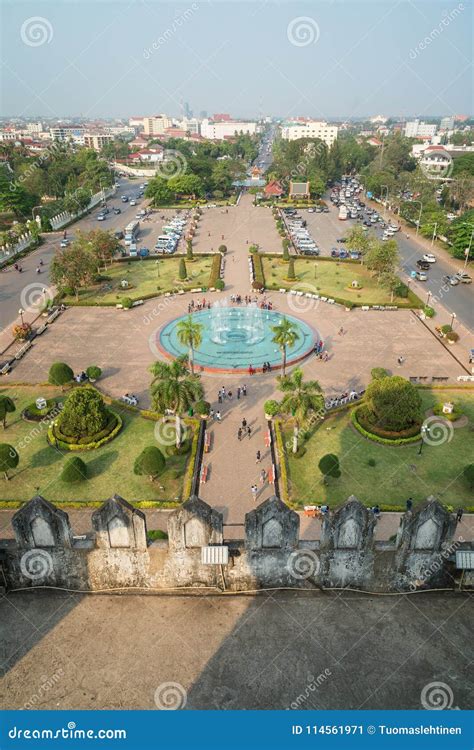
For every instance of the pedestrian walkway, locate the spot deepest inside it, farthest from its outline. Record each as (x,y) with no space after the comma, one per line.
(232,462)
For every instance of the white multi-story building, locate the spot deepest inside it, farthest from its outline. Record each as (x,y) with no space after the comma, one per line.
(190,125)
(120,130)
(310,129)
(157,124)
(447,123)
(9,135)
(218,130)
(420,129)
(67,133)
(34,127)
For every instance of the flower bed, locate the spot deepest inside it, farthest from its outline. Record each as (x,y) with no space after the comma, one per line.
(57,439)
(372,432)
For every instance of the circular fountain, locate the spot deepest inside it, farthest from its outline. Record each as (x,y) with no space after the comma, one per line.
(235,338)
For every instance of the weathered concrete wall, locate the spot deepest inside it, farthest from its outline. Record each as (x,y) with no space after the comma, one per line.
(115,553)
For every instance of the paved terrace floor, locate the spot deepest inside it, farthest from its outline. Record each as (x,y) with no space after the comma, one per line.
(264,652)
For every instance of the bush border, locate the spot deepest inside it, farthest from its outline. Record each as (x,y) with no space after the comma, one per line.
(377,439)
(56,443)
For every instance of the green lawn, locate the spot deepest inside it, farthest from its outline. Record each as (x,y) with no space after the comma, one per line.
(329,278)
(110,467)
(398,472)
(145,278)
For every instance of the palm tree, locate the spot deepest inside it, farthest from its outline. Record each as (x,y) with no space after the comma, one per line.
(174,388)
(285,335)
(301,400)
(190,335)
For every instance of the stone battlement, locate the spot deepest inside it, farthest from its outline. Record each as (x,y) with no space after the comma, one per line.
(116,554)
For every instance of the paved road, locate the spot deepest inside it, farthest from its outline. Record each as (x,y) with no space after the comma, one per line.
(12,283)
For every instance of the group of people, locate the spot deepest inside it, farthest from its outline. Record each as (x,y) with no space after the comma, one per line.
(244,430)
(224,395)
(199,305)
(266,367)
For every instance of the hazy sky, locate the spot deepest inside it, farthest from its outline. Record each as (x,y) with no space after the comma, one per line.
(320,59)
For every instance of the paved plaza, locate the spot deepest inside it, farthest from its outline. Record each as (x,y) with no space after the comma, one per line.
(235,652)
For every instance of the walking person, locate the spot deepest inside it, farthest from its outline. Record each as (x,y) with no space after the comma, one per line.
(258,457)
(249,431)
(244,390)
(239,433)
(211,413)
(409,504)
(244,423)
(254,489)
(218,416)
(263,476)
(459,514)
(238,394)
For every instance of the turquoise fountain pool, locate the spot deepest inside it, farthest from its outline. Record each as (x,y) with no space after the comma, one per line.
(235,338)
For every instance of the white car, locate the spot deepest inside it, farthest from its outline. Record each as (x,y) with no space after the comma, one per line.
(429,257)
(394,228)
(311,210)
(133,202)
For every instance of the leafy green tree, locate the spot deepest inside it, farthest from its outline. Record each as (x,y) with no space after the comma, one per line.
(9,458)
(390,282)
(7,406)
(103,245)
(74,267)
(302,400)
(159,191)
(189,334)
(60,374)
(84,414)
(329,466)
(285,336)
(382,257)
(151,462)
(77,201)
(394,402)
(186,184)
(460,234)
(174,388)
(75,470)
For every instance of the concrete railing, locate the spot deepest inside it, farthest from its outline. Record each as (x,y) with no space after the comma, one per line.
(66,217)
(9,251)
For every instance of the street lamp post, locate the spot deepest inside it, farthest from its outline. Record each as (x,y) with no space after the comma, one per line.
(428,298)
(21,312)
(434,233)
(453,318)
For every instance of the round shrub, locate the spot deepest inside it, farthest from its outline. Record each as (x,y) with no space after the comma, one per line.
(202,407)
(126,303)
(9,458)
(446,329)
(329,466)
(219,285)
(84,414)
(393,403)
(93,372)
(60,374)
(455,414)
(222,249)
(371,462)
(75,470)
(429,311)
(452,336)
(151,462)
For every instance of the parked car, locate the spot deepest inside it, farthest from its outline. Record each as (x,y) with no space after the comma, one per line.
(64,242)
(133,202)
(101,217)
(429,257)
(117,211)
(451,280)
(421,276)
(463,277)
(124,199)
(119,235)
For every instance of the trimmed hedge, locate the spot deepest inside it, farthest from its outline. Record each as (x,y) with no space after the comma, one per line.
(65,443)
(384,440)
(258,268)
(215,270)
(282,458)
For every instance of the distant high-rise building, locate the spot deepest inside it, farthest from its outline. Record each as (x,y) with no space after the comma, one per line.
(447,123)
(203,114)
(420,129)
(156,125)
(187,111)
